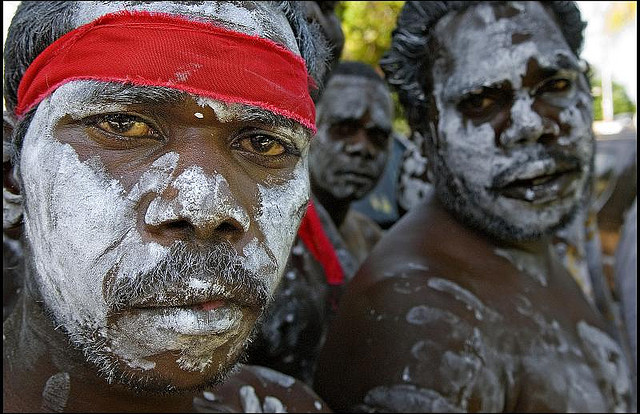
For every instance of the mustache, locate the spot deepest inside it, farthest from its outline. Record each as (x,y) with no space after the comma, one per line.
(561,162)
(168,282)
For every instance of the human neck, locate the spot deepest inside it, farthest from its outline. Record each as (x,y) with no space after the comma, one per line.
(36,354)
(337,208)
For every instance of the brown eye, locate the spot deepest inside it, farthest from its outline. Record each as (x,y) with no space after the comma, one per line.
(128,126)
(263,145)
(555,86)
(477,103)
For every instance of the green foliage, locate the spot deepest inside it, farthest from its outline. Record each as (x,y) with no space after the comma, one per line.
(367,27)
(621,101)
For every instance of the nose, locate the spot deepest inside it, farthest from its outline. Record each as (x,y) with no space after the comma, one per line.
(359,144)
(526,125)
(196,206)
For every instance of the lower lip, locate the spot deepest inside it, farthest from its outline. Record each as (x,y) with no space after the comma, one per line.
(549,191)
(206,319)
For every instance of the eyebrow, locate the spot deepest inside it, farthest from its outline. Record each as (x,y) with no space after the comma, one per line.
(333,118)
(453,94)
(562,61)
(124,94)
(246,113)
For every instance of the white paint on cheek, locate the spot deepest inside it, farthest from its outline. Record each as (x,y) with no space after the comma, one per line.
(88,216)
(255,258)
(462,153)
(198,115)
(279,214)
(73,216)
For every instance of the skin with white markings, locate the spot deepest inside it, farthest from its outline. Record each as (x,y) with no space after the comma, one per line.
(158,226)
(464,306)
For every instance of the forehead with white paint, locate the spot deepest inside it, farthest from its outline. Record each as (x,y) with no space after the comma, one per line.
(254,18)
(349,97)
(485,45)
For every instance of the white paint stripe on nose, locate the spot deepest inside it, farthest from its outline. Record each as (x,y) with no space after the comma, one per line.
(201,200)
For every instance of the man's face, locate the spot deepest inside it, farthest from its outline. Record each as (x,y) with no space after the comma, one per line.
(513,145)
(159,224)
(350,150)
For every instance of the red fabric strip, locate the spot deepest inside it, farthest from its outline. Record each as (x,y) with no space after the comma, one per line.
(153,49)
(314,237)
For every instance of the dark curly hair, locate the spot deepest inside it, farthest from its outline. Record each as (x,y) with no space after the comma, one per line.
(409,54)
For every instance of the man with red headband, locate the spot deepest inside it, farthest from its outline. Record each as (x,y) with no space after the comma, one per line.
(156,167)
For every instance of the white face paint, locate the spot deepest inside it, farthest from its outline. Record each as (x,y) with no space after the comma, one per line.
(279,219)
(83,228)
(501,162)
(91,259)
(79,222)
(350,150)
(281,207)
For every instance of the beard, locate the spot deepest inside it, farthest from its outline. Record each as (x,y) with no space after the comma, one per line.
(463,203)
(219,264)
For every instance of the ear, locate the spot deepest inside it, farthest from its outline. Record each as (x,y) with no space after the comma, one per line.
(12,209)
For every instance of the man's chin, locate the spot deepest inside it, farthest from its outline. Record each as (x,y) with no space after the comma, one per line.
(503,229)
(167,376)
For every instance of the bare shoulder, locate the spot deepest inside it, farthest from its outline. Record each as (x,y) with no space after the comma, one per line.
(410,341)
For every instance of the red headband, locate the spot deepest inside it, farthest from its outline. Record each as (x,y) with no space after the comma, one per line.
(147,49)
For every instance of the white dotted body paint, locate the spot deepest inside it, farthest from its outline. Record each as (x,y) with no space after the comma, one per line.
(408,398)
(609,364)
(423,314)
(270,375)
(527,263)
(249,399)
